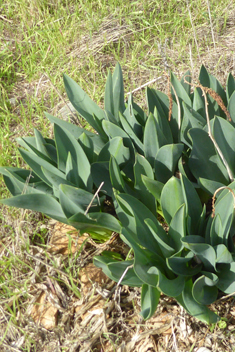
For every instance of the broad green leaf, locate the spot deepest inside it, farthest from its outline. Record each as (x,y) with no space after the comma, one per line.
(191,119)
(108,96)
(153,186)
(216,86)
(193,205)
(87,145)
(130,132)
(222,254)
(56,180)
(66,143)
(78,199)
(187,76)
(142,167)
(140,115)
(226,275)
(166,161)
(216,231)
(115,270)
(81,101)
(18,187)
(160,101)
(116,148)
(118,92)
(180,91)
(177,228)
(95,221)
(115,131)
(204,161)
(76,131)
(231,108)
(36,163)
(209,185)
(42,203)
(207,80)
(163,240)
(203,251)
(116,176)
(144,260)
(199,103)
(183,266)
(69,208)
(230,86)
(132,218)
(100,173)
(171,198)
(197,310)
(24,142)
(223,133)
(130,116)
(149,301)
(170,287)
(204,289)
(224,206)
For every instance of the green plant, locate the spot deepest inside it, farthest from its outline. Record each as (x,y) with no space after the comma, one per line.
(169,161)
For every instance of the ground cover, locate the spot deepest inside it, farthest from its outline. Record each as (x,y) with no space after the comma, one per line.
(38,42)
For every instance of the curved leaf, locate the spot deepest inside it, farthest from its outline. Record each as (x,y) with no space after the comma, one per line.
(149,301)
(205,290)
(166,161)
(171,198)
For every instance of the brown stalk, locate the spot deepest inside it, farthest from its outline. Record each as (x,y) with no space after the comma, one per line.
(213,198)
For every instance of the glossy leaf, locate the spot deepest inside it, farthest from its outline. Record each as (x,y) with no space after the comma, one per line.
(171,198)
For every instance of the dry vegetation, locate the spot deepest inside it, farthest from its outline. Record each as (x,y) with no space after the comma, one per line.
(52,298)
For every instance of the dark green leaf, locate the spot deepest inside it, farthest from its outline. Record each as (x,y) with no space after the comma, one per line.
(66,143)
(204,289)
(116,148)
(166,161)
(226,275)
(177,228)
(183,265)
(197,310)
(153,186)
(230,86)
(149,301)
(204,161)
(42,203)
(95,221)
